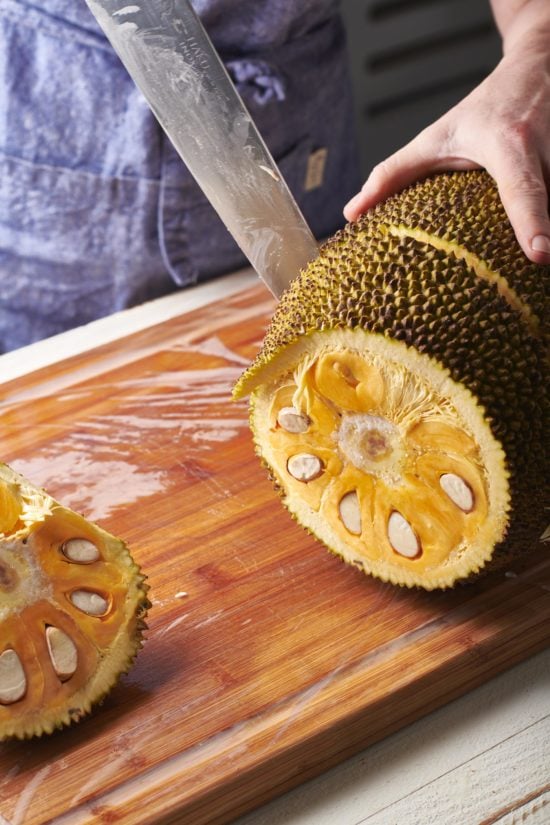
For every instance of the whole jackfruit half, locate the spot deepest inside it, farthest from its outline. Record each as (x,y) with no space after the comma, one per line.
(401,396)
(72,609)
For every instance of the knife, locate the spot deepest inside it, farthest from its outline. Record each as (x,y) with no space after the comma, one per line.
(170,57)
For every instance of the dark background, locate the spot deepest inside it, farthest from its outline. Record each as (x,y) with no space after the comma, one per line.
(411,60)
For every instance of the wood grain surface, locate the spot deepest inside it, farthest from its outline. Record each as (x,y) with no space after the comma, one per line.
(267,660)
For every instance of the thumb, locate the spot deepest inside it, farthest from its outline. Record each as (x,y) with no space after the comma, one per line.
(413,162)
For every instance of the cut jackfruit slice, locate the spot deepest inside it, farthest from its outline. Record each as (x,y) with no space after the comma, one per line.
(417,365)
(72,610)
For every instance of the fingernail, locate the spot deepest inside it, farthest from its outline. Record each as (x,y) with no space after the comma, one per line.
(541,243)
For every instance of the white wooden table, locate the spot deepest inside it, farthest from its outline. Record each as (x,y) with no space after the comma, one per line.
(482,759)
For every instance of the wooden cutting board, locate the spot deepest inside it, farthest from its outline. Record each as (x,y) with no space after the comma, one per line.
(267,660)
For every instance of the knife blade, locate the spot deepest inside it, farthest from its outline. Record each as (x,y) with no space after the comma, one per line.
(168,54)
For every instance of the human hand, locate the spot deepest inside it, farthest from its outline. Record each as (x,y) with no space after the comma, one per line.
(503,126)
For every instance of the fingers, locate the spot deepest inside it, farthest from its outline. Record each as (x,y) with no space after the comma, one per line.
(516,168)
(394,173)
(524,195)
(419,158)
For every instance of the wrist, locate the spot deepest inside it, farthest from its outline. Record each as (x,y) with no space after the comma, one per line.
(528,31)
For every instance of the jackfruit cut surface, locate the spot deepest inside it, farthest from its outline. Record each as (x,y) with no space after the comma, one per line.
(400,399)
(384,458)
(72,610)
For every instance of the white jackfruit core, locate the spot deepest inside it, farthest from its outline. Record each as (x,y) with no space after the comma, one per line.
(373,444)
(27,581)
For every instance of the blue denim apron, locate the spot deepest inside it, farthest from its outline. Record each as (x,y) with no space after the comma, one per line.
(97,211)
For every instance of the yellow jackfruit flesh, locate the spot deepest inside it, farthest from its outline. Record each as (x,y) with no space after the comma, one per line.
(401,397)
(72,610)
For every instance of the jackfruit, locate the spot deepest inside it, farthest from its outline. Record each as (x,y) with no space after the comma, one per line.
(72,610)
(401,396)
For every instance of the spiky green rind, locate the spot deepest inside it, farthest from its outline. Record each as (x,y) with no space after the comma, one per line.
(488,332)
(464,209)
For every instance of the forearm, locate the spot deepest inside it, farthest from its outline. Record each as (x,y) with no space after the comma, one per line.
(523,24)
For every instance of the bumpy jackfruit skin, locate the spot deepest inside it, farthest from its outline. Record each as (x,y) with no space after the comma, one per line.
(72,611)
(436,271)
